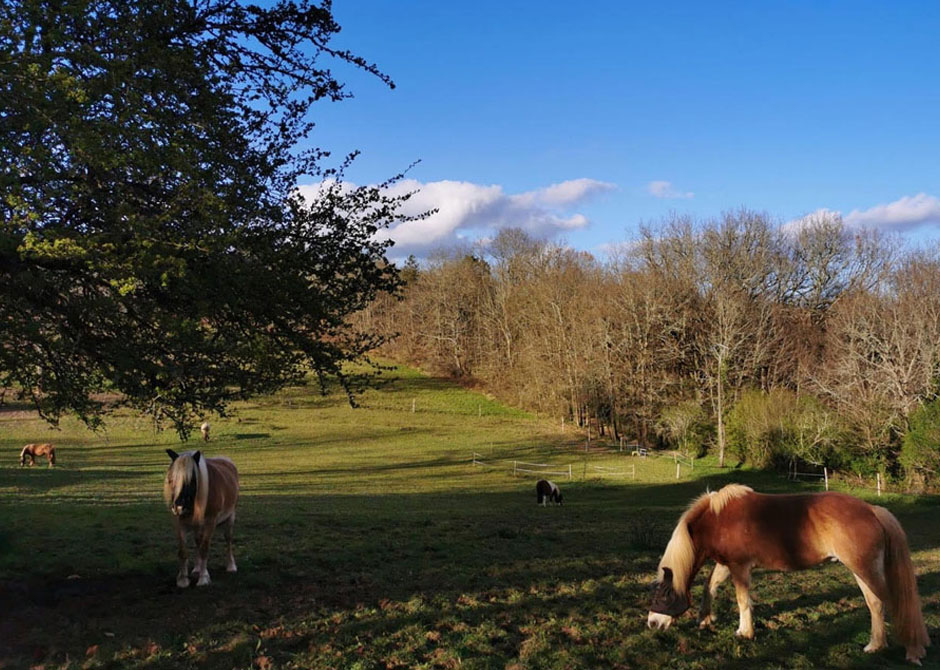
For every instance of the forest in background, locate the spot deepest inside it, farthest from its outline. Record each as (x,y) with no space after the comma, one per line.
(766,344)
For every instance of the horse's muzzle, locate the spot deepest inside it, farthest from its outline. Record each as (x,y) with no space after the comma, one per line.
(658,621)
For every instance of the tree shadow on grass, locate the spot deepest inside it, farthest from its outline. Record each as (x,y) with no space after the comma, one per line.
(490,578)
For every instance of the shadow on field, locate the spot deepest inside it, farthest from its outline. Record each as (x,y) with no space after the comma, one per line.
(61,475)
(401,580)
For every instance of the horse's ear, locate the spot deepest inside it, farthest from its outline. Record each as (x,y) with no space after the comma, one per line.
(196,457)
(667,575)
(172,454)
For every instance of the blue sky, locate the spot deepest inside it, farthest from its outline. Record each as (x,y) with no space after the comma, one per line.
(581,120)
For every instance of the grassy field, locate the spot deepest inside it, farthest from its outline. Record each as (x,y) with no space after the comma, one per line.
(367,539)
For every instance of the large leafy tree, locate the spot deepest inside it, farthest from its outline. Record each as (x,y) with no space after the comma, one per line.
(152,241)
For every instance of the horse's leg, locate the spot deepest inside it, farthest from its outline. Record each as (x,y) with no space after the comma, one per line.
(182,578)
(229,530)
(719,574)
(197,560)
(874,598)
(207,529)
(741,576)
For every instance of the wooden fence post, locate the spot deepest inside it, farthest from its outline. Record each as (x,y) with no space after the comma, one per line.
(879,484)
(677,469)
(826,475)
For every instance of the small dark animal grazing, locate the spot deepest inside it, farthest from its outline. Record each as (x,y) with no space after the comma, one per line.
(546,491)
(204,429)
(32,451)
(202,494)
(740,529)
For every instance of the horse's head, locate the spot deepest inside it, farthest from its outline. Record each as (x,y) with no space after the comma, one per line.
(666,603)
(558,497)
(182,480)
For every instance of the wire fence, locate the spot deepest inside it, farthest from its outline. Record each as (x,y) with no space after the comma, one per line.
(683,464)
(613,472)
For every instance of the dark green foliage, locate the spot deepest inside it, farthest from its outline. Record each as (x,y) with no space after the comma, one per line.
(920,450)
(152,241)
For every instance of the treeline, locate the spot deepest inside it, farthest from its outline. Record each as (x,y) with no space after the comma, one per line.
(818,344)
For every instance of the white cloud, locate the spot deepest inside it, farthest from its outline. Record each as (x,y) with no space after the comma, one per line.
(794,226)
(665,189)
(466,210)
(904,214)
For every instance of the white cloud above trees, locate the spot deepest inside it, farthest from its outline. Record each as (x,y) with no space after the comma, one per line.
(475,211)
(904,214)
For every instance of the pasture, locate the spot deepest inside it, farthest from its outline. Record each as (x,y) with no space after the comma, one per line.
(367,539)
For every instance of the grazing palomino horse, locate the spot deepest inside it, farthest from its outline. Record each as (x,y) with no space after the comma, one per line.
(546,491)
(740,529)
(201,493)
(204,429)
(31,451)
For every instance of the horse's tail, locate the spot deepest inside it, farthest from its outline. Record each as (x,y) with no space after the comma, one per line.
(23,454)
(903,600)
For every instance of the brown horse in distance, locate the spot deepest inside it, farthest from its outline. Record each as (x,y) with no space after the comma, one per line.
(201,493)
(740,529)
(33,451)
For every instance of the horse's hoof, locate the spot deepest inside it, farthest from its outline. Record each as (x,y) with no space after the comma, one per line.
(204,580)
(232,568)
(706,622)
(914,655)
(871,647)
(182,582)
(746,634)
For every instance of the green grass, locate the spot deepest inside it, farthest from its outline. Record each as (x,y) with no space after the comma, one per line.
(367,539)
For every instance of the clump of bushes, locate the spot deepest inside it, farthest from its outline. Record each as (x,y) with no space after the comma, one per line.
(920,447)
(685,427)
(776,428)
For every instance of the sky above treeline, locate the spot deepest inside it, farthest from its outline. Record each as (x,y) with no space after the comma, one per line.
(582,121)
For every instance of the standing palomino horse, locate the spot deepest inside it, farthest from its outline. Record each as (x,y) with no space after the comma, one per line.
(740,529)
(202,494)
(32,451)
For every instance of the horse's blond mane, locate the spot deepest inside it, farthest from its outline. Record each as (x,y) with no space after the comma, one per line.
(181,472)
(718,499)
(680,552)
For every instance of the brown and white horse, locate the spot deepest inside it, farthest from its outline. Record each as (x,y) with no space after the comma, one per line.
(201,493)
(32,451)
(740,529)
(546,492)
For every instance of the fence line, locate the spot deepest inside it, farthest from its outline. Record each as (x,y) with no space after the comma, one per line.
(516,468)
(476,460)
(615,471)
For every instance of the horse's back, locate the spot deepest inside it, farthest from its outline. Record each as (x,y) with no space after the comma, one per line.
(223,485)
(795,531)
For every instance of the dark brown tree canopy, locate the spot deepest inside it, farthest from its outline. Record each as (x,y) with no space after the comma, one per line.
(151,239)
